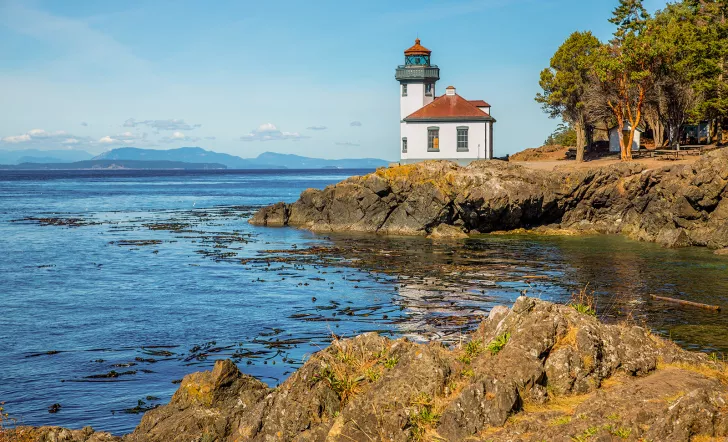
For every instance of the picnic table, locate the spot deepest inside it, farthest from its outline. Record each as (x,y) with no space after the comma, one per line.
(674,154)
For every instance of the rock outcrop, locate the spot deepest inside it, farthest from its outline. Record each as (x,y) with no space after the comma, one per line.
(537,371)
(675,206)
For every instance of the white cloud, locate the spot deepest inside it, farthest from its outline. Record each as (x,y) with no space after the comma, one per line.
(355,124)
(171,124)
(17,138)
(124,138)
(317,128)
(179,137)
(42,136)
(84,124)
(347,143)
(269,132)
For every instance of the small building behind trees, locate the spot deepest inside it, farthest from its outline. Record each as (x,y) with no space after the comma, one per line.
(615,135)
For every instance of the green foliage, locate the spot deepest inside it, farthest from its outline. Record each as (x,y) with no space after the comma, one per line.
(584,309)
(563,420)
(674,65)
(566,81)
(343,384)
(373,374)
(622,433)
(391,362)
(422,417)
(586,435)
(564,135)
(584,301)
(630,17)
(498,343)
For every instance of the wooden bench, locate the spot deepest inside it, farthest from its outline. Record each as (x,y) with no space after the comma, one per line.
(670,154)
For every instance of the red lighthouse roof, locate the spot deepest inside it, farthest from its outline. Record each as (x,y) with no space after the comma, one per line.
(449,107)
(417,49)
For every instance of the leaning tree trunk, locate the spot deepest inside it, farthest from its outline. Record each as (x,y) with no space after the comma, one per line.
(580,128)
(652,117)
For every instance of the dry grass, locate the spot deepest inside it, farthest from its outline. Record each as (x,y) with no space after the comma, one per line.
(348,367)
(715,370)
(704,438)
(561,404)
(567,340)
(611,382)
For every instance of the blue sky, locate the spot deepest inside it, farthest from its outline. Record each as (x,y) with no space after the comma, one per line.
(312,78)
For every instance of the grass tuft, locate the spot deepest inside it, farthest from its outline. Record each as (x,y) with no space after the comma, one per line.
(498,343)
(584,302)
(423,417)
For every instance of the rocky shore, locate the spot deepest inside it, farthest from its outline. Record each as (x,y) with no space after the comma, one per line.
(536,371)
(676,206)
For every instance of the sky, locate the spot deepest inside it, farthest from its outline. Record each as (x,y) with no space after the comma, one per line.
(244,77)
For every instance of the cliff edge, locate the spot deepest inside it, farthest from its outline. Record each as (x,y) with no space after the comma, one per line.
(676,206)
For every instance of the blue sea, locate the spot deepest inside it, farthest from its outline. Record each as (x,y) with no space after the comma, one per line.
(115,284)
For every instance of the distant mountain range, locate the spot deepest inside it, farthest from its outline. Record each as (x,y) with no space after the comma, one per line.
(42,156)
(114,164)
(196,155)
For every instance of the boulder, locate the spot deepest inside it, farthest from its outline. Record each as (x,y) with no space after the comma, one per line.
(447,232)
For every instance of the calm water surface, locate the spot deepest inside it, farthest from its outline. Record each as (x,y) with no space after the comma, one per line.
(161,275)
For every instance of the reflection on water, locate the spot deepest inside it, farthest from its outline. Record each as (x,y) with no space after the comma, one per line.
(163,275)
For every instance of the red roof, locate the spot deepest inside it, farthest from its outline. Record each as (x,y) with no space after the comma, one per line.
(479,103)
(417,49)
(449,107)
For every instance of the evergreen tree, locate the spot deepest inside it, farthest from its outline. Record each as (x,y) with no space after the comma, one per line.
(565,81)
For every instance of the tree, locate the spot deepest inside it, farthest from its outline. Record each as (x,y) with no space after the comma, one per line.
(711,61)
(563,136)
(625,69)
(674,38)
(565,81)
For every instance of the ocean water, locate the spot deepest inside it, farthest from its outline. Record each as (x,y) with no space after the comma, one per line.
(115,284)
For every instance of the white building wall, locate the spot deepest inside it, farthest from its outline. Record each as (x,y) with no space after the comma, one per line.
(614,136)
(414,100)
(416,134)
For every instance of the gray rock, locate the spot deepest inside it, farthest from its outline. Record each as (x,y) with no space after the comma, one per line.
(676,206)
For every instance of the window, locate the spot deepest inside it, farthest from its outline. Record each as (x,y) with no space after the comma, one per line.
(404,90)
(462,140)
(428,89)
(404,145)
(433,139)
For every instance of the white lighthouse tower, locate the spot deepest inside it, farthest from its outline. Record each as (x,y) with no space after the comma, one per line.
(447,127)
(417,78)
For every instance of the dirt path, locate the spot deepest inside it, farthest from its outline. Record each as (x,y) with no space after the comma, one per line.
(565,165)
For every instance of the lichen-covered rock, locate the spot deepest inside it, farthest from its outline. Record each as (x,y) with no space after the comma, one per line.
(55,434)
(447,232)
(676,206)
(532,372)
(207,404)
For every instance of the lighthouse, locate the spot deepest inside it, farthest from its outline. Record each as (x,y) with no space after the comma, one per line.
(447,127)
(417,78)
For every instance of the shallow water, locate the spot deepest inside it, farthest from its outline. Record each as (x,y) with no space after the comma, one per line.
(162,275)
